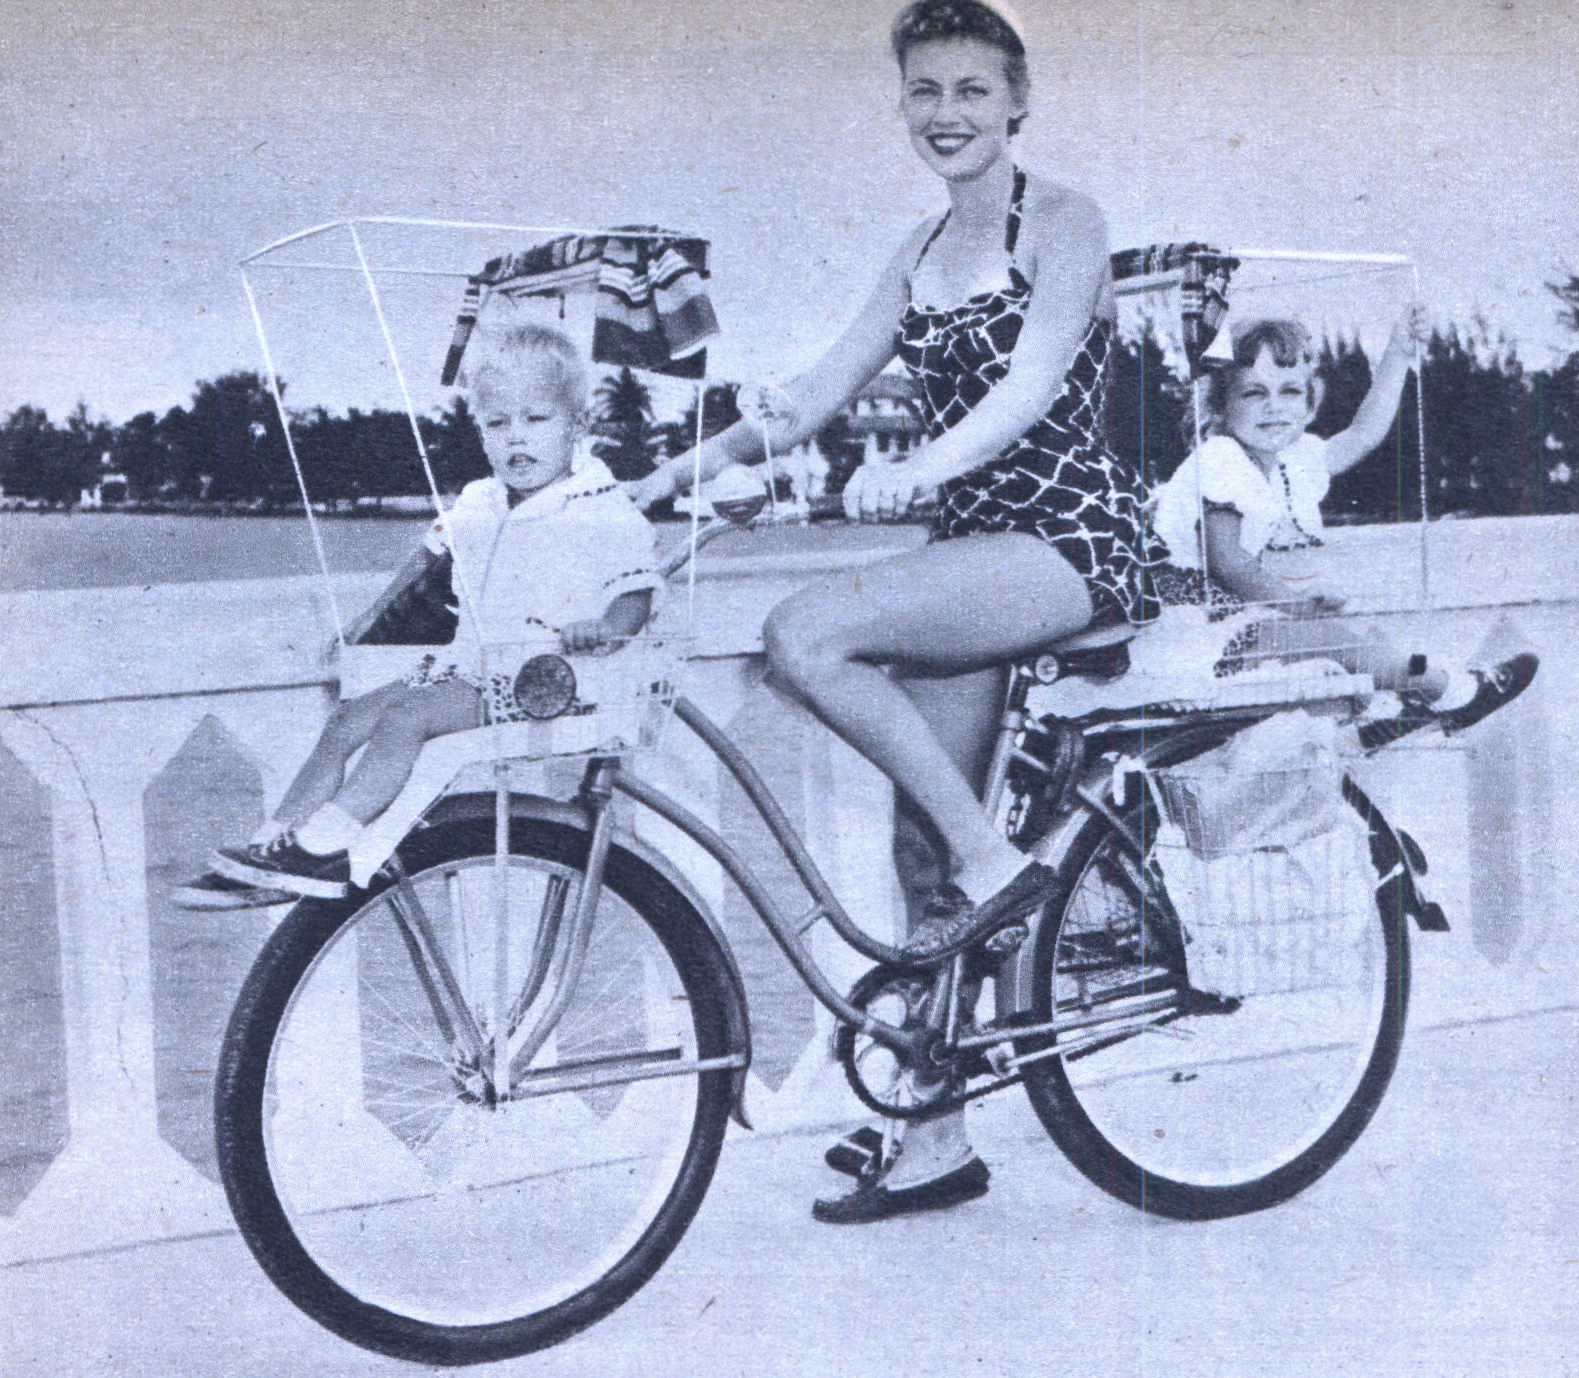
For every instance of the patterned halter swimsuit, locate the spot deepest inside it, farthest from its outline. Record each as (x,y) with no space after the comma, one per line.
(1057,481)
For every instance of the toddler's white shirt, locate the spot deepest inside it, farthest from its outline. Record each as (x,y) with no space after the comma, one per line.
(560,555)
(1278,511)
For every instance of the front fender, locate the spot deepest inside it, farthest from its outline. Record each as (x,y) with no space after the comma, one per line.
(472,807)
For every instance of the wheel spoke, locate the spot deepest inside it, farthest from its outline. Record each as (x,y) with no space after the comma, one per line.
(417,1187)
(450,1010)
(1205,1103)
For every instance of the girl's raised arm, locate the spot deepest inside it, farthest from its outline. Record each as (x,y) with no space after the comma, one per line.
(1374,417)
(852,361)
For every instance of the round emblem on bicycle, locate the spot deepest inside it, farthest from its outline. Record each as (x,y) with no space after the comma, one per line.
(544,687)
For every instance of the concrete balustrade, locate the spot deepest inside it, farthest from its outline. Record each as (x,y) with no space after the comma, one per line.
(139,727)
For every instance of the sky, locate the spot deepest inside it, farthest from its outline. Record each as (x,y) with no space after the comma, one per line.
(146,146)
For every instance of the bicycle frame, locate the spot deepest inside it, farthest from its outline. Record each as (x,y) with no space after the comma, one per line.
(606,776)
(1095,760)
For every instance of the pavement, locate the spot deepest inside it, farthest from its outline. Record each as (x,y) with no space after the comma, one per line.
(1445,1243)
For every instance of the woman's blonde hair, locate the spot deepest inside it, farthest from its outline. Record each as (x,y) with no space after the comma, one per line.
(501,344)
(1289,342)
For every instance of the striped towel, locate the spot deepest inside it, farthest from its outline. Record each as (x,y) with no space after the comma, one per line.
(652,309)
(1204,273)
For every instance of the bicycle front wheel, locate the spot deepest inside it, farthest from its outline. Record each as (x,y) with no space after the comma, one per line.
(396,1176)
(1198,1107)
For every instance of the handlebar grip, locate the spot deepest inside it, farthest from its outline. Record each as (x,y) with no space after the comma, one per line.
(832,505)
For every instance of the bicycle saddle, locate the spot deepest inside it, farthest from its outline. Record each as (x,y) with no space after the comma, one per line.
(1093,653)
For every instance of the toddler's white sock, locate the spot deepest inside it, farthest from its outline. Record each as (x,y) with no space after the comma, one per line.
(331,829)
(1461,687)
(267,831)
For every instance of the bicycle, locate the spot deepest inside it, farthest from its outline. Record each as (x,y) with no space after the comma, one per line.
(470,1110)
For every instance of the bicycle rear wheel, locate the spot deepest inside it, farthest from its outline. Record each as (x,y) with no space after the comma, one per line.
(419,1200)
(1195,1107)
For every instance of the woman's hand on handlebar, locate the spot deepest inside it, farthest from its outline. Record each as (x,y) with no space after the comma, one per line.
(890,492)
(773,412)
(658,485)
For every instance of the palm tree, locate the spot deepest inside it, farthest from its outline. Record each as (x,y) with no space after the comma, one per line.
(622,423)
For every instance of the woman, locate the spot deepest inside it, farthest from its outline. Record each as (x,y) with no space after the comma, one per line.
(1002,309)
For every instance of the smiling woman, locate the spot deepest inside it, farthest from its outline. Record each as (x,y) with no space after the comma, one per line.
(1002,310)
(955,93)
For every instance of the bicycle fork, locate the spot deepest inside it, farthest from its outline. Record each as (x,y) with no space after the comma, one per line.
(498,1048)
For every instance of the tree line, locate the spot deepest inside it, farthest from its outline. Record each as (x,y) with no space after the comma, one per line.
(1501,439)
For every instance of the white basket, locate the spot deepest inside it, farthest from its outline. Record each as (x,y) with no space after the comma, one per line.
(1266,863)
(1273,920)
(1275,784)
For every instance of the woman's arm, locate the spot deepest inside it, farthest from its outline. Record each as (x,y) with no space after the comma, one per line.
(1374,418)
(850,363)
(1243,575)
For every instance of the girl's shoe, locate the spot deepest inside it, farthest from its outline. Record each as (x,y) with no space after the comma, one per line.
(284,864)
(1497,687)
(1494,688)
(871,1200)
(1414,713)
(214,891)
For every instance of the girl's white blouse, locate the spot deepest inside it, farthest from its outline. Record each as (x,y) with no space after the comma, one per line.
(1280,510)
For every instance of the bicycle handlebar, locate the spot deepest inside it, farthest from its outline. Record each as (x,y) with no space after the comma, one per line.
(740,514)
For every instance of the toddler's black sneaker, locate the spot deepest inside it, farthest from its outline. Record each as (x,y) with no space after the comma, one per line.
(284,864)
(215,892)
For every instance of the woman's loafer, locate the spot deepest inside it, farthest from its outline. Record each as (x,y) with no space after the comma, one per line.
(952,925)
(871,1200)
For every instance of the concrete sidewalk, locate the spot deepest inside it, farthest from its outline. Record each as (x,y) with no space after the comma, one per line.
(1445,1243)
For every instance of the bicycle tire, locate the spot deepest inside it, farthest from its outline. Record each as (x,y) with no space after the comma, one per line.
(254,1096)
(1113,1144)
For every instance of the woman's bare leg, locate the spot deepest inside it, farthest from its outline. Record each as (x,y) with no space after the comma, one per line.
(962,712)
(949,608)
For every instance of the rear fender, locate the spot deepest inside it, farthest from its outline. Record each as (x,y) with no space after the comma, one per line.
(1398,861)
(471,807)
